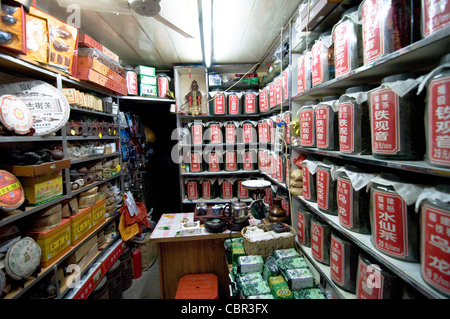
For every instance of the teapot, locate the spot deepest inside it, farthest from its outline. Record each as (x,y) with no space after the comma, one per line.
(238,210)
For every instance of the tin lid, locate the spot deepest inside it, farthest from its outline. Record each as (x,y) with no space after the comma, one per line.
(445,59)
(310,103)
(359,88)
(22,258)
(396,178)
(350,10)
(330,98)
(15,115)
(399,77)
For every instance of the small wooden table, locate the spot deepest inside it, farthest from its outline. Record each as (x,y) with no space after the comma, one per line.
(189,254)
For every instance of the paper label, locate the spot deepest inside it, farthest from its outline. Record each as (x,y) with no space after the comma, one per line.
(301,228)
(370,282)
(345,202)
(230,133)
(372,30)
(307,127)
(213,162)
(263,101)
(233,104)
(317,63)
(317,241)
(337,258)
(242,191)
(272,97)
(323,180)
(278,83)
(342,53)
(436,15)
(197,135)
(306,182)
(346,127)
(322,134)
(206,190)
(230,161)
(250,103)
(195,162)
(247,131)
(219,104)
(227,190)
(248,160)
(192,190)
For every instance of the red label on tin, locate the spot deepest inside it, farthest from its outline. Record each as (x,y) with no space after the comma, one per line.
(227,190)
(242,191)
(272,97)
(323,180)
(306,182)
(206,190)
(345,202)
(316,65)
(372,30)
(195,162)
(301,232)
(337,258)
(389,216)
(250,103)
(192,190)
(278,83)
(248,161)
(436,15)
(197,135)
(233,104)
(273,166)
(287,120)
(285,85)
(230,133)
(280,171)
(230,158)
(219,104)
(435,248)
(317,241)
(132,83)
(369,282)
(163,86)
(216,134)
(342,53)
(268,198)
(247,131)
(322,134)
(263,101)
(307,127)
(213,162)
(439,121)
(385,121)
(346,127)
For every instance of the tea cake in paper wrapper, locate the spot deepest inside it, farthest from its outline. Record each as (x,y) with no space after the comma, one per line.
(299,278)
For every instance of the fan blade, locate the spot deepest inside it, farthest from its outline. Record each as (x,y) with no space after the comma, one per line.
(172,26)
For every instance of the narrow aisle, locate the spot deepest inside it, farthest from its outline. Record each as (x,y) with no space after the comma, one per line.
(147,286)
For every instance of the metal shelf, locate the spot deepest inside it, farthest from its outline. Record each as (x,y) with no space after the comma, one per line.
(146,99)
(408,271)
(221,173)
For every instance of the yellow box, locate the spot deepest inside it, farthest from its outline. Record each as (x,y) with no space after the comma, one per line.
(80,225)
(54,242)
(98,213)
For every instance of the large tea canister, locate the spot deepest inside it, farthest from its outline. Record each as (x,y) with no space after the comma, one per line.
(304,72)
(343,262)
(209,189)
(304,215)
(132,80)
(213,160)
(272,94)
(196,129)
(354,121)
(162,82)
(196,162)
(347,43)
(437,115)
(263,100)
(327,135)
(434,203)
(193,190)
(227,189)
(234,103)
(435,16)
(308,124)
(320,240)
(394,223)
(387,25)
(375,282)
(322,63)
(248,159)
(248,132)
(326,186)
(230,160)
(396,116)
(250,102)
(309,168)
(281,168)
(353,201)
(230,132)
(241,191)
(213,132)
(218,104)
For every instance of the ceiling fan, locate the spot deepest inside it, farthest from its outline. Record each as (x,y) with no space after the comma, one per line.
(146,8)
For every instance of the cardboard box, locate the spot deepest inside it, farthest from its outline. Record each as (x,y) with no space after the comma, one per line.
(18,40)
(41,183)
(82,251)
(145,70)
(54,243)
(37,38)
(96,78)
(148,90)
(80,225)
(98,213)
(86,41)
(94,64)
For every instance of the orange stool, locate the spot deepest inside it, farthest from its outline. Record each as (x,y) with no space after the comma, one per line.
(198,286)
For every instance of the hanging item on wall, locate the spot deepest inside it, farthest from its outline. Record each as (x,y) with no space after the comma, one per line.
(194,98)
(47,105)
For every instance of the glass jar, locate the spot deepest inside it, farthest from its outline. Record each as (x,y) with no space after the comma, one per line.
(327,135)
(343,262)
(213,132)
(304,72)
(395,225)
(375,282)
(397,123)
(322,63)
(437,116)
(434,16)
(250,102)
(308,124)
(320,240)
(218,104)
(435,238)
(354,121)
(326,187)
(234,103)
(352,205)
(304,215)
(347,43)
